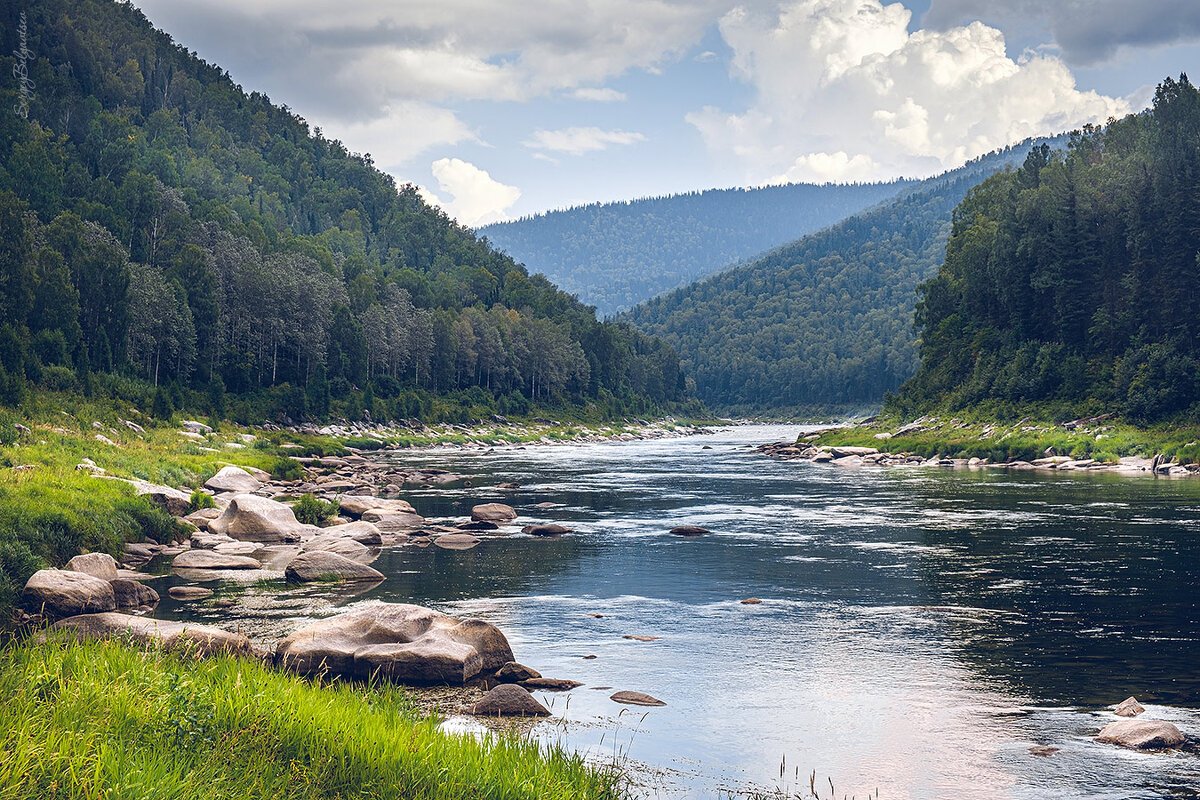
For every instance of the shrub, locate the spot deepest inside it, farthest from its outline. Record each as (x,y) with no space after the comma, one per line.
(312,510)
(286,469)
(200,500)
(59,379)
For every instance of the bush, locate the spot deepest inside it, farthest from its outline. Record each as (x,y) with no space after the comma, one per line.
(312,510)
(286,469)
(200,500)
(59,379)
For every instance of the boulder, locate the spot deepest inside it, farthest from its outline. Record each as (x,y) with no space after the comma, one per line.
(551,684)
(751,601)
(61,593)
(98,565)
(513,672)
(202,517)
(192,426)
(1141,734)
(472,525)
(320,565)
(551,529)
(456,541)
(175,502)
(132,594)
(343,546)
(190,592)
(1129,707)
(688,530)
(210,559)
(201,639)
(356,506)
(236,548)
(404,643)
(497,513)
(636,699)
(209,541)
(233,479)
(393,521)
(251,518)
(509,700)
(362,532)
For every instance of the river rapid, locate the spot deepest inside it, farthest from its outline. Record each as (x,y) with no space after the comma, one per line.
(920,629)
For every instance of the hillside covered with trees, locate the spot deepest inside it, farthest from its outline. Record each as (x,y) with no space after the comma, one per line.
(824,322)
(616,255)
(163,228)
(1075,280)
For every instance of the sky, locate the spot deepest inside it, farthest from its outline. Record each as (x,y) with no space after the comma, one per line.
(499,109)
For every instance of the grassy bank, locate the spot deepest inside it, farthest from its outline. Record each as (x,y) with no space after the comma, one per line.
(103,720)
(976,435)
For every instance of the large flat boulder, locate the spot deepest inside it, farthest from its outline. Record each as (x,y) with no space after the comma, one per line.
(497,513)
(62,593)
(362,532)
(211,559)
(98,565)
(357,505)
(405,643)
(233,479)
(321,565)
(201,639)
(175,502)
(393,521)
(341,545)
(1141,734)
(250,518)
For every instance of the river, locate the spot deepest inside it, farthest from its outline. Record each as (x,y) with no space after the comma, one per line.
(920,629)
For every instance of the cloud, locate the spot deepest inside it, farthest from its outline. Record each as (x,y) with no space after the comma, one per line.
(843,91)
(1087,31)
(404,131)
(578,141)
(599,95)
(477,198)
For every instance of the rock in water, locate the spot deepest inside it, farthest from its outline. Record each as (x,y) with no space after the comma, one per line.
(190,592)
(344,546)
(133,594)
(405,643)
(689,530)
(98,565)
(512,672)
(61,593)
(1141,734)
(203,639)
(1129,707)
(551,529)
(357,505)
(636,699)
(493,512)
(509,700)
(393,521)
(456,541)
(250,518)
(551,684)
(321,565)
(210,559)
(233,479)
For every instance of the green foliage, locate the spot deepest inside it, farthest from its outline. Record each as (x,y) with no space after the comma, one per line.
(200,499)
(162,223)
(824,321)
(312,510)
(163,408)
(83,720)
(1074,280)
(616,255)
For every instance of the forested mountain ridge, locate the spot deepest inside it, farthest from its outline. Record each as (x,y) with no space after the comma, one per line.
(616,255)
(825,321)
(159,223)
(1075,280)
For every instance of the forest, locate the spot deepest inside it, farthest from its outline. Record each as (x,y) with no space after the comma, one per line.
(616,255)
(1074,281)
(167,235)
(825,322)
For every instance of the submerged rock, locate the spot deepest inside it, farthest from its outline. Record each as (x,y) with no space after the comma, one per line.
(62,593)
(689,530)
(401,642)
(190,592)
(636,699)
(321,565)
(1141,734)
(509,700)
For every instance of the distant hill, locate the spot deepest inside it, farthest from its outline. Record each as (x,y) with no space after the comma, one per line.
(826,321)
(616,255)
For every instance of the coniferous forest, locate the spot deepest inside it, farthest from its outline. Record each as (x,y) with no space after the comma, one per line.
(166,232)
(1074,280)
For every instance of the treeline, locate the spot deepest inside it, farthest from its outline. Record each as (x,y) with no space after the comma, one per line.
(160,224)
(1075,280)
(824,322)
(616,255)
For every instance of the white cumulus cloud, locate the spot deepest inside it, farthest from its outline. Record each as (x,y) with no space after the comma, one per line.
(843,91)
(604,95)
(476,197)
(578,141)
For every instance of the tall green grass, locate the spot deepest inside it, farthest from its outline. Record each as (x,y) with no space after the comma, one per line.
(92,720)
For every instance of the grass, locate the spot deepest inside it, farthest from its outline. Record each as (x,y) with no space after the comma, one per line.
(91,720)
(974,435)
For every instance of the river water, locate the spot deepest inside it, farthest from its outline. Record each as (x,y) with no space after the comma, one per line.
(920,629)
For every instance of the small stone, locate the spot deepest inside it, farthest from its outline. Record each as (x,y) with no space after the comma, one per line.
(1129,707)
(689,530)
(551,684)
(509,700)
(639,638)
(636,699)
(513,672)
(751,601)
(545,530)
(589,657)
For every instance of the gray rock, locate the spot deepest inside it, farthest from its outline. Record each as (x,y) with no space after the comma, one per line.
(200,639)
(233,479)
(393,521)
(636,699)
(341,545)
(356,506)
(190,592)
(1141,734)
(320,565)
(1129,707)
(551,529)
(513,672)
(210,559)
(98,565)
(251,518)
(456,541)
(404,643)
(61,593)
(551,684)
(509,700)
(497,513)
(688,530)
(132,594)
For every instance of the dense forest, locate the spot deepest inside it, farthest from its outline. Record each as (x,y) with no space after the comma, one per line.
(616,255)
(826,321)
(162,228)
(1075,280)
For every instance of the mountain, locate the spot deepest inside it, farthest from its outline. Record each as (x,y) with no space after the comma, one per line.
(616,255)
(162,225)
(825,321)
(1075,280)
